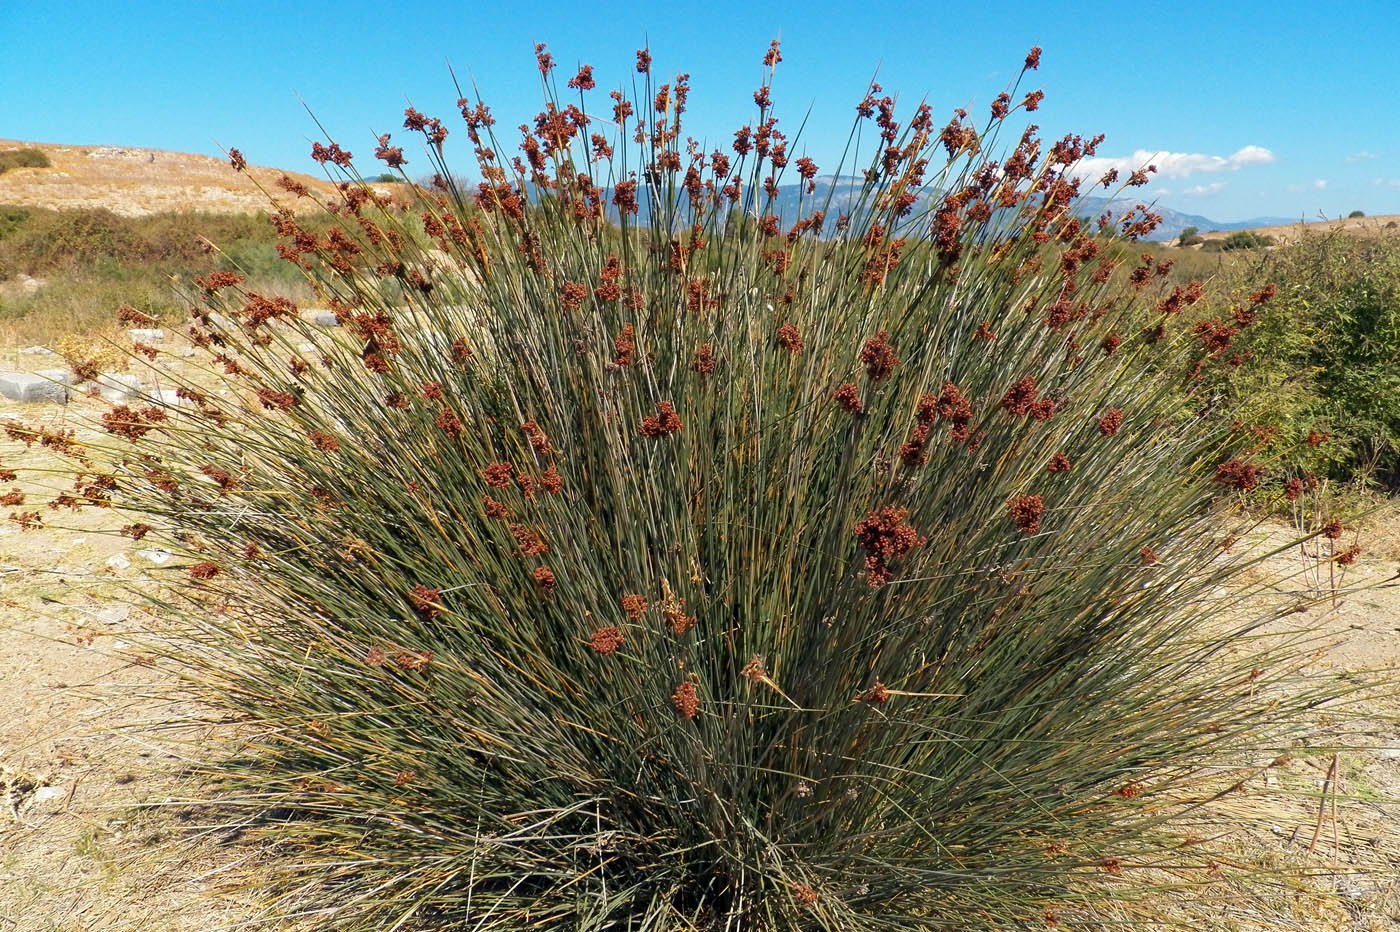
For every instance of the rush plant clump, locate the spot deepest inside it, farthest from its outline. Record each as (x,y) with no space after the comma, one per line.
(656,546)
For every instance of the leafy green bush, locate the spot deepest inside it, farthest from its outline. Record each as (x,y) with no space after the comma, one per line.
(89,259)
(1247,239)
(841,570)
(22,158)
(1323,361)
(1356,213)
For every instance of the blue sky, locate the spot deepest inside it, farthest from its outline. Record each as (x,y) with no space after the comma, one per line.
(1280,108)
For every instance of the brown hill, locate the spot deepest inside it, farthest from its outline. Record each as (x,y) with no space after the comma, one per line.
(1385,225)
(135,182)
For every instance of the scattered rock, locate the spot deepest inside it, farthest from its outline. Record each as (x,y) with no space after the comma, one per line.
(169,398)
(147,335)
(36,387)
(37,351)
(113,614)
(320,317)
(45,794)
(118,562)
(156,555)
(116,387)
(219,320)
(186,351)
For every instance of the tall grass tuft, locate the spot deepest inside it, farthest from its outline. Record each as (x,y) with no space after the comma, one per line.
(638,556)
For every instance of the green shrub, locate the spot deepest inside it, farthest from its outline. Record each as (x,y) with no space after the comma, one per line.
(1324,359)
(1356,213)
(1247,239)
(670,575)
(22,158)
(88,259)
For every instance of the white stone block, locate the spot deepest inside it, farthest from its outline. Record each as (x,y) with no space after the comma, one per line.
(147,335)
(320,317)
(169,398)
(32,387)
(116,387)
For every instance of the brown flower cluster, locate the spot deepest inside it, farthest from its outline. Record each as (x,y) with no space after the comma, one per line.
(879,357)
(425,601)
(1018,400)
(634,605)
(950,405)
(884,535)
(789,339)
(625,346)
(324,441)
(878,694)
(1026,511)
(132,424)
(1238,475)
(536,436)
(704,362)
(1111,422)
(686,700)
(498,475)
(413,661)
(664,422)
(848,398)
(530,542)
(1058,463)
(606,640)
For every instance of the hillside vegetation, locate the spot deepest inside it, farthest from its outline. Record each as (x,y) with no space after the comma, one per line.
(136,182)
(67,272)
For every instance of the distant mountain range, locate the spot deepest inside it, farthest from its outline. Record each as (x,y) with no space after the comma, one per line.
(844,192)
(136,181)
(1174,221)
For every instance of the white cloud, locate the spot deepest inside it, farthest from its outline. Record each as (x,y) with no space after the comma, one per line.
(1201,189)
(1316,185)
(1362,156)
(1174,164)
(1386,182)
(1320,183)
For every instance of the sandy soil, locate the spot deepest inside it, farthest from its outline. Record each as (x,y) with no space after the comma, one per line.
(94,779)
(135,182)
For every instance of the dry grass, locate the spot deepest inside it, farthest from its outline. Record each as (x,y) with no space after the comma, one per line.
(1385,225)
(135,182)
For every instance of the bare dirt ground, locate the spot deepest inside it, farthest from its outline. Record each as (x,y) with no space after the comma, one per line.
(135,182)
(92,780)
